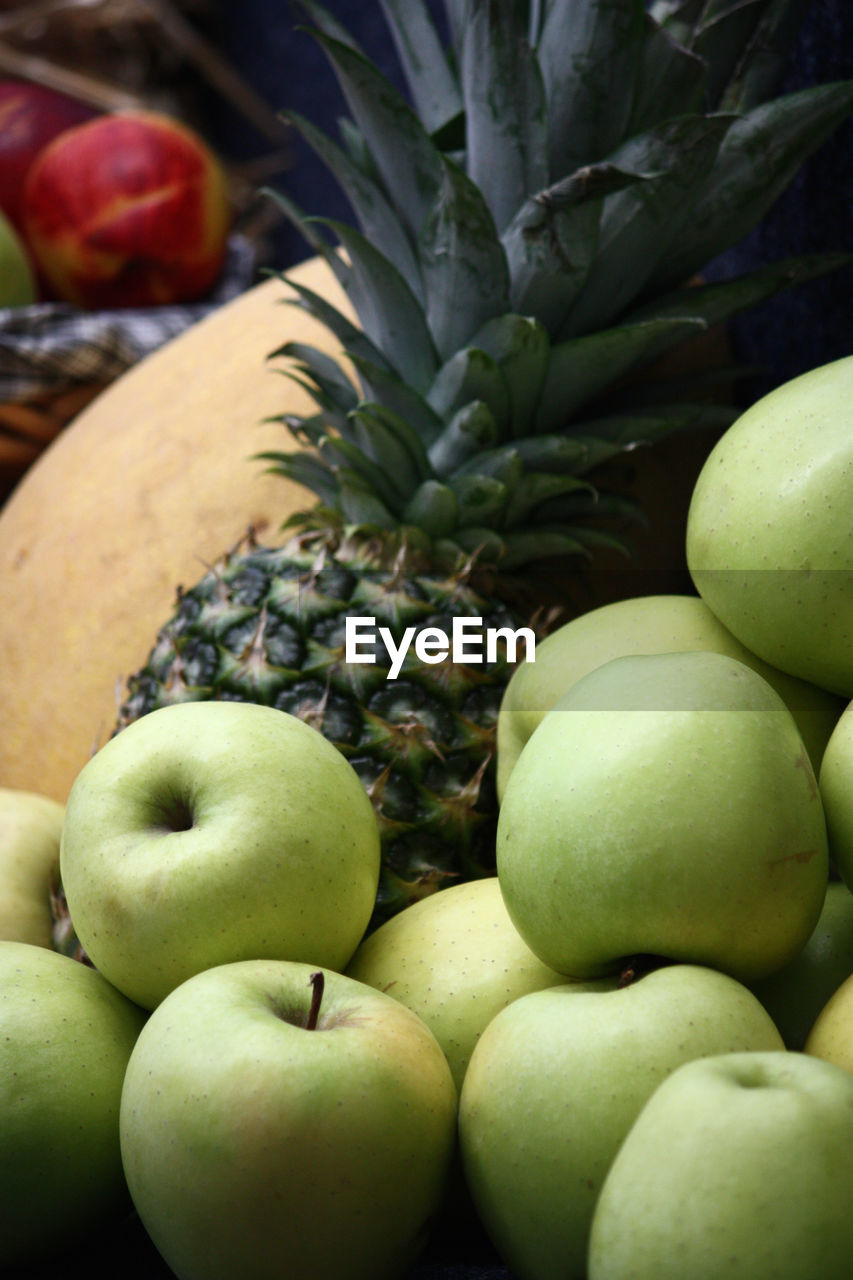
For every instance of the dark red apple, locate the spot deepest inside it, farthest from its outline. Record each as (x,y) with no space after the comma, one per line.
(31,116)
(129,210)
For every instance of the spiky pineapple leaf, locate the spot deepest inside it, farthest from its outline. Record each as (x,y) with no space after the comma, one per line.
(391,441)
(330,411)
(358,502)
(429,75)
(348,461)
(520,347)
(390,313)
(432,508)
(526,545)
(481,499)
(723,32)
(325,372)
(502,464)
(304,469)
(470,431)
(718,302)
(405,156)
(308,228)
(469,375)
(763,63)
(379,222)
(400,398)
(550,243)
(465,272)
(505,110)
(325,21)
(556,453)
(535,488)
(586,49)
(640,223)
(670,80)
(479,541)
(759,157)
(353,339)
(580,368)
(628,431)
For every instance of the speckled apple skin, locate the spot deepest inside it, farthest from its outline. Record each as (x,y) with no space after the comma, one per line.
(769,537)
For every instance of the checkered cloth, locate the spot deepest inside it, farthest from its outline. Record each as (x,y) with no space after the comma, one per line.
(49,347)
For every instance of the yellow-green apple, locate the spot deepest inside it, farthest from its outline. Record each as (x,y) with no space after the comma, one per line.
(65,1039)
(831,1037)
(207,832)
(769,534)
(836,788)
(17,280)
(795,995)
(31,116)
(30,831)
(278,1121)
(456,959)
(665,806)
(555,1083)
(128,210)
(642,624)
(740,1166)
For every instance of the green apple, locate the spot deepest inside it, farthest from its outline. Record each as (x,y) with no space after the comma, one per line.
(17,280)
(831,1036)
(666,806)
(65,1040)
(456,959)
(740,1165)
(643,624)
(769,533)
(207,832)
(273,1125)
(30,831)
(836,789)
(555,1083)
(795,995)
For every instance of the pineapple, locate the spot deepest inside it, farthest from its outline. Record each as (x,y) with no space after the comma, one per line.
(527,225)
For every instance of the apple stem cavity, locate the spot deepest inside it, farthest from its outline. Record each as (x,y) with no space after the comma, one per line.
(636,967)
(317,982)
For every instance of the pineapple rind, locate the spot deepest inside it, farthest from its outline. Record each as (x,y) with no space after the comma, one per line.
(267,625)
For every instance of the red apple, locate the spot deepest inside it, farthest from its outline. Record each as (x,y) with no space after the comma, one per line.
(31,116)
(129,210)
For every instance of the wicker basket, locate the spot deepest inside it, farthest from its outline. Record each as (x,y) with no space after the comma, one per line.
(28,428)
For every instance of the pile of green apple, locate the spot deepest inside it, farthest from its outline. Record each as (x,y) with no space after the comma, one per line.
(629,1054)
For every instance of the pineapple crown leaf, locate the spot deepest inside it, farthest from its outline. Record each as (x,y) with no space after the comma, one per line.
(466,278)
(643,221)
(762,64)
(566,166)
(389,311)
(378,220)
(715,303)
(399,145)
(584,49)
(429,71)
(353,340)
(505,109)
(670,79)
(551,241)
(761,154)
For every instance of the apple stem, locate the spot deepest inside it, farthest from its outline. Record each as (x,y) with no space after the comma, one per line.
(636,967)
(317,982)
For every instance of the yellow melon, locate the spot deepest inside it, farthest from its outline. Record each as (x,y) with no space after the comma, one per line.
(151,482)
